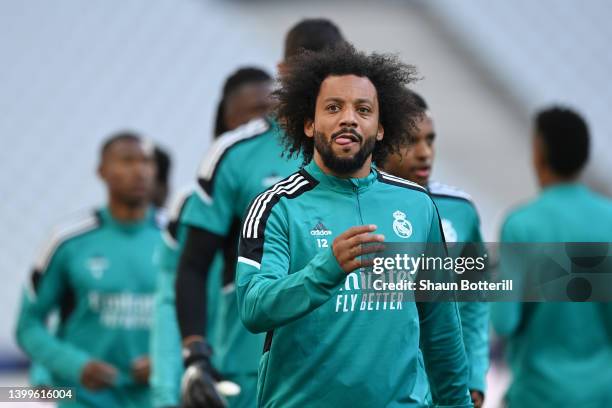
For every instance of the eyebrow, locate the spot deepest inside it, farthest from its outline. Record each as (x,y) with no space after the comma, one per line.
(338,99)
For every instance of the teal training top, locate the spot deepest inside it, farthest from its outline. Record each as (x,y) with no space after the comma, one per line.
(461,225)
(166,344)
(328,344)
(239,165)
(100,274)
(560,354)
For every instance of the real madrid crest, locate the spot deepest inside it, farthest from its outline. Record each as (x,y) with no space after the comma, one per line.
(401,226)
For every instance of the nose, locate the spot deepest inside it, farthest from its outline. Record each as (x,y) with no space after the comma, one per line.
(348,118)
(141,169)
(422,151)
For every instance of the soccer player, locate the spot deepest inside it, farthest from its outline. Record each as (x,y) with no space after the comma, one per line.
(303,237)
(560,354)
(245,95)
(461,226)
(99,273)
(239,165)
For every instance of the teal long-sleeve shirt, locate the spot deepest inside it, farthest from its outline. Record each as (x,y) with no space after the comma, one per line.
(100,274)
(560,354)
(461,226)
(166,344)
(328,343)
(238,165)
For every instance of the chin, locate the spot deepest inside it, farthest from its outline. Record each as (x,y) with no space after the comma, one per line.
(136,201)
(420,181)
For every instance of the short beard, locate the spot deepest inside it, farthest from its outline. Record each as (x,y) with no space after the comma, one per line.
(343,166)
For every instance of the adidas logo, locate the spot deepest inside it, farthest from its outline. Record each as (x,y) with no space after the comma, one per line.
(320,230)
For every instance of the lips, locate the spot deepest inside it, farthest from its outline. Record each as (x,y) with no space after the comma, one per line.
(346,139)
(423,171)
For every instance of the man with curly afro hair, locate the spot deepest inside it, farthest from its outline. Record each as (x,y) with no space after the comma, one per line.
(335,336)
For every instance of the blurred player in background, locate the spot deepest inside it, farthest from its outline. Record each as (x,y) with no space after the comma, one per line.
(560,354)
(245,95)
(238,166)
(39,376)
(99,273)
(461,226)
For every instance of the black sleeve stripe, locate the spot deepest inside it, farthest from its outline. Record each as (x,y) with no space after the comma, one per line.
(67,304)
(62,235)
(253,227)
(225,142)
(268,341)
(399,182)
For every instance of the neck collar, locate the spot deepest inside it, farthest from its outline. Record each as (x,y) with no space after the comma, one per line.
(106,217)
(341,184)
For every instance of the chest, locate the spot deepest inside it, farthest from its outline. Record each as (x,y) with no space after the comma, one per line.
(316,222)
(457,221)
(113,261)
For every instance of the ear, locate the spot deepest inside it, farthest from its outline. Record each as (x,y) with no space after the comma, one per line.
(101,171)
(380,133)
(281,68)
(309,127)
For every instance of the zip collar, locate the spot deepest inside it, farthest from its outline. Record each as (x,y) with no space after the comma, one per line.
(343,185)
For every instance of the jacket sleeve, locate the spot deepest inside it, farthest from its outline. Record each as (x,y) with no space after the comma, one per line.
(49,284)
(441,342)
(208,216)
(271,295)
(475,324)
(506,316)
(167,363)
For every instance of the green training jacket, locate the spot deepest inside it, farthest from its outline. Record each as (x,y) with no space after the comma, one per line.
(560,353)
(328,343)
(100,274)
(461,226)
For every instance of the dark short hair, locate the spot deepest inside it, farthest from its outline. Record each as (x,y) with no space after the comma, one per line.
(242,76)
(163,163)
(314,34)
(565,137)
(124,135)
(418,100)
(301,83)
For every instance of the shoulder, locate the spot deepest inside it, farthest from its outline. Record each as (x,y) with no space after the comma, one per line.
(437,189)
(392,180)
(604,202)
(523,211)
(408,189)
(229,142)
(263,204)
(226,146)
(521,218)
(72,228)
(175,212)
(444,195)
(179,202)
